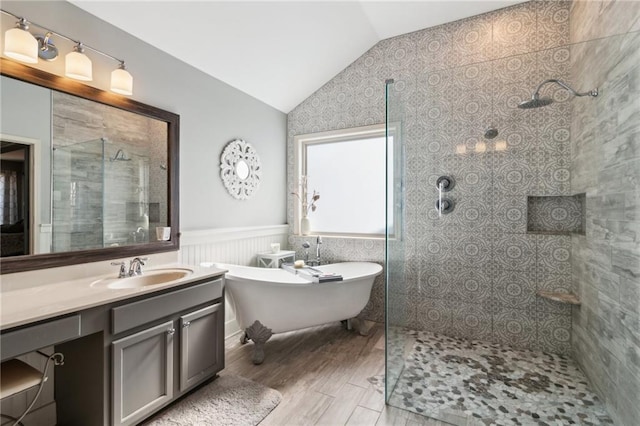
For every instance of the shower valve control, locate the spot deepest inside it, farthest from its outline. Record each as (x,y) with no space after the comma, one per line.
(445,183)
(445,206)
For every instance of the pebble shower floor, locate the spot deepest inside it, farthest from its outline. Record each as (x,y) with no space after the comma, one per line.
(492,384)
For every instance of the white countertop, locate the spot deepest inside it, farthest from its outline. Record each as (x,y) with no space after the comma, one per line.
(27,305)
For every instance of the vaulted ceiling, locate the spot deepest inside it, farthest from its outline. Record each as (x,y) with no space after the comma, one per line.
(279,52)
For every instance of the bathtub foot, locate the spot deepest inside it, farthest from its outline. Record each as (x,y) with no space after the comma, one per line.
(363,327)
(347,324)
(243,338)
(259,334)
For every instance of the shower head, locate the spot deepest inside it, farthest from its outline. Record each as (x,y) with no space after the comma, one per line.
(490,133)
(120,156)
(536,101)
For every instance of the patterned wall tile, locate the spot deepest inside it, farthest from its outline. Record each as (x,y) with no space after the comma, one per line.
(553,23)
(514,174)
(516,289)
(434,46)
(515,328)
(554,176)
(471,214)
(515,69)
(434,315)
(554,254)
(553,64)
(516,137)
(471,321)
(435,281)
(515,252)
(471,250)
(510,213)
(435,248)
(471,40)
(474,175)
(554,333)
(514,30)
(471,285)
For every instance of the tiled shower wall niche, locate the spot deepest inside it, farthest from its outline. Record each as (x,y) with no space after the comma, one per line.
(475,272)
(556,215)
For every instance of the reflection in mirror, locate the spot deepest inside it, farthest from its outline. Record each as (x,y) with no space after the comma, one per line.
(14,198)
(109,186)
(242,169)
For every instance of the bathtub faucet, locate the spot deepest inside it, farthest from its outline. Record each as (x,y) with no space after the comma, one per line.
(318,242)
(306,247)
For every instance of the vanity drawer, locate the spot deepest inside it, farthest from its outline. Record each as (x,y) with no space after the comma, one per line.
(145,311)
(28,339)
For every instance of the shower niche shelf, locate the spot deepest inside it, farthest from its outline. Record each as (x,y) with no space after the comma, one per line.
(568,298)
(556,215)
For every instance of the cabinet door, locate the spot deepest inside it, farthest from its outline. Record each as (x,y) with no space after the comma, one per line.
(142,373)
(201,345)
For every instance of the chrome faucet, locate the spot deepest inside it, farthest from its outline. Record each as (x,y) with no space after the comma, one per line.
(123,270)
(135,266)
(318,242)
(306,246)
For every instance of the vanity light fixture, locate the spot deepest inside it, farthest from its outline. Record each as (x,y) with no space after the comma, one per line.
(121,81)
(22,46)
(77,65)
(19,44)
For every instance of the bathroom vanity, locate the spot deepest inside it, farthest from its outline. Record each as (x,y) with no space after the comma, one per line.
(128,351)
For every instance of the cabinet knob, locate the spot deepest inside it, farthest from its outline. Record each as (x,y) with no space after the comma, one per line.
(171,331)
(186,324)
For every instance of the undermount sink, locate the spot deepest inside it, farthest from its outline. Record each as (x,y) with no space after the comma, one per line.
(151,277)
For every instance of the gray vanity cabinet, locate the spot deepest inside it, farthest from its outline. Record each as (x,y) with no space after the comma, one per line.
(142,373)
(181,344)
(200,355)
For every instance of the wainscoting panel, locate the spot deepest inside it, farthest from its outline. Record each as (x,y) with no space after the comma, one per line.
(237,246)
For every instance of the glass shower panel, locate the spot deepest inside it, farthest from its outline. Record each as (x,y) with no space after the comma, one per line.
(77,196)
(126,203)
(100,196)
(395,290)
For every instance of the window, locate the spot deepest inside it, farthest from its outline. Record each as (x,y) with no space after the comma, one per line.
(347,167)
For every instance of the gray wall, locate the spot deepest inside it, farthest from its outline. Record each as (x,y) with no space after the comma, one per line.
(212,113)
(605,137)
(18,118)
(454,81)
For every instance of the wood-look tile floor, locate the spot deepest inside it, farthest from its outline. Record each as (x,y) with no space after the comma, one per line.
(322,375)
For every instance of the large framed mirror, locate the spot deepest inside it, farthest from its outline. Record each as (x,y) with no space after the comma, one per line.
(94,184)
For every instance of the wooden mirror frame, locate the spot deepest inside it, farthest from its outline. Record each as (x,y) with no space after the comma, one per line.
(51,260)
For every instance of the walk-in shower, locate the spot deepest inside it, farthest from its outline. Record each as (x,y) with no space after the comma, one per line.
(536,101)
(502,311)
(100,195)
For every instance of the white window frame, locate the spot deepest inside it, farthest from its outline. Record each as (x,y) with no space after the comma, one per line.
(301,142)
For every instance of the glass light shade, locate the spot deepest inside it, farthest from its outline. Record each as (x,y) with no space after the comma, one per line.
(78,66)
(21,46)
(121,82)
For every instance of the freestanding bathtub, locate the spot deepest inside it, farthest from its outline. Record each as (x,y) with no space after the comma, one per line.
(268,301)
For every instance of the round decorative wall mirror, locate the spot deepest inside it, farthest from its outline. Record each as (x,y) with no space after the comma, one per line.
(240,169)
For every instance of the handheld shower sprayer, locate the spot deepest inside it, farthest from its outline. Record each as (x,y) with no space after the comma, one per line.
(536,101)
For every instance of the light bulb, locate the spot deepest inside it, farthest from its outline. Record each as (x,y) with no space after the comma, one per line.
(121,81)
(78,65)
(20,45)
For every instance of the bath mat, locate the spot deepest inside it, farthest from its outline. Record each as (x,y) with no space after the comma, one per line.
(228,400)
